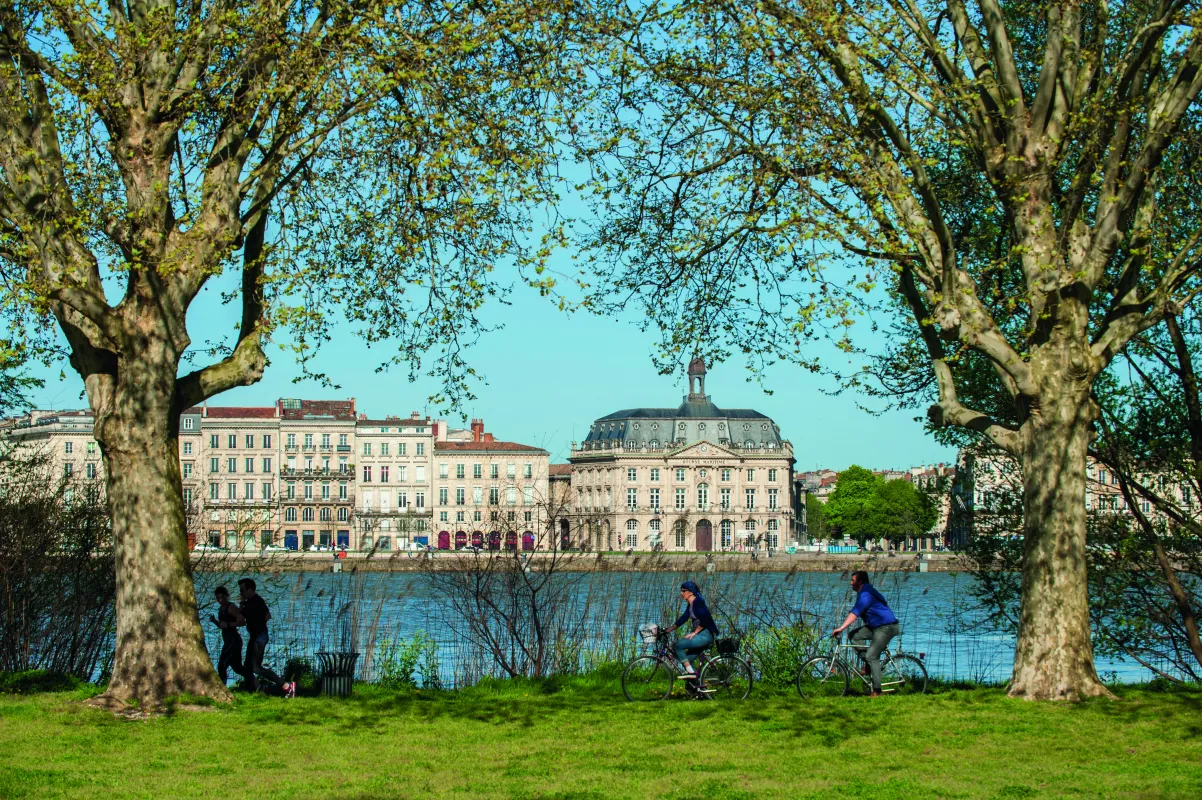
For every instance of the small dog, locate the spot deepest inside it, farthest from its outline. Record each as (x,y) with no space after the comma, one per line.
(289,689)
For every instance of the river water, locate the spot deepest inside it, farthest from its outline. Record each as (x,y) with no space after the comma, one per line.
(313,612)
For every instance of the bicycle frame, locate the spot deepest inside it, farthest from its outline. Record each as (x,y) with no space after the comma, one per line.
(850,663)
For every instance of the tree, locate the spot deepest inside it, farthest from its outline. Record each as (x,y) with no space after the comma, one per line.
(815,517)
(764,167)
(899,511)
(299,157)
(847,509)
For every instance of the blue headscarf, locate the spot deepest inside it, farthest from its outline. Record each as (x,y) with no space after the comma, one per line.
(691,587)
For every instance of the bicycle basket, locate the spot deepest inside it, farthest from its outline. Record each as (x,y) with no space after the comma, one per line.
(649,633)
(728,647)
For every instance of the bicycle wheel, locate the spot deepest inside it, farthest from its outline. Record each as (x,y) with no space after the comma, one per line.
(822,677)
(903,674)
(647,678)
(726,678)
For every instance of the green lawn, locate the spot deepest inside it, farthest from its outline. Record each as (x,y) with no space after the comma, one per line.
(580,739)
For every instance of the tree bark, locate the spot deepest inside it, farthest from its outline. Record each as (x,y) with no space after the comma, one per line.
(160,650)
(1053,657)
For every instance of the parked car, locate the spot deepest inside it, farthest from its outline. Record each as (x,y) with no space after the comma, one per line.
(205,547)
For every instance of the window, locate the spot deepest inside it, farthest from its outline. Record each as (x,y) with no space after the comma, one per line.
(267,441)
(401,473)
(749,495)
(632,474)
(325,441)
(442,516)
(213,441)
(187,497)
(527,495)
(250,441)
(772,499)
(653,536)
(703,496)
(443,470)
(419,473)
(267,491)
(419,500)
(511,469)
(493,471)
(325,491)
(655,499)
(68,470)
(400,448)
(477,495)
(680,473)
(421,448)
(342,465)
(306,515)
(459,516)
(383,448)
(679,530)
(248,491)
(772,476)
(384,474)
(68,447)
(528,516)
(290,515)
(324,514)
(231,441)
(724,499)
(442,496)
(231,491)
(655,475)
(213,489)
(367,448)
(528,470)
(367,474)
(773,534)
(188,423)
(494,496)
(290,491)
(187,448)
(342,440)
(459,471)
(1102,477)
(477,471)
(214,465)
(632,534)
(632,499)
(511,496)
(89,471)
(308,491)
(343,514)
(267,465)
(680,499)
(750,474)
(91,448)
(187,470)
(459,496)
(231,465)
(249,466)
(402,500)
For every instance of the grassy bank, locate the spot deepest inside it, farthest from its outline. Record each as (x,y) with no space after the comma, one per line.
(579,739)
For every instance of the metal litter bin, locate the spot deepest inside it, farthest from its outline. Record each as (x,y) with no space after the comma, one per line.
(337,673)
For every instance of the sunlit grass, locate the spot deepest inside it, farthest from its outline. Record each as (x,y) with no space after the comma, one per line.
(579,738)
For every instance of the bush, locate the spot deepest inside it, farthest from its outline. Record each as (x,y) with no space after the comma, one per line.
(408,664)
(301,671)
(777,652)
(33,681)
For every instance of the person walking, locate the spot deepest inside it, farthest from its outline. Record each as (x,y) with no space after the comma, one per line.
(228,619)
(880,626)
(256,615)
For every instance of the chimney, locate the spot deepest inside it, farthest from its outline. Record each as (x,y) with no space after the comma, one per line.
(488,437)
(478,430)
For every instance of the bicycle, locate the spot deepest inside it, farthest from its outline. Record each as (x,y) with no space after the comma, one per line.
(725,676)
(830,675)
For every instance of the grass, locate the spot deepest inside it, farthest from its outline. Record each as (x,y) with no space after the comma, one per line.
(578,738)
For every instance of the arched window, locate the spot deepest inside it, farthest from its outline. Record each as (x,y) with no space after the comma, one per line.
(653,537)
(306,515)
(703,496)
(325,515)
(727,529)
(632,533)
(680,530)
(289,515)
(342,515)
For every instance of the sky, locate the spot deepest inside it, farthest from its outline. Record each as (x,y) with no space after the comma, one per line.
(550,374)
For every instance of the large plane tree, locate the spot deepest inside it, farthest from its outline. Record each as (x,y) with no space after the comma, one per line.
(766,168)
(296,156)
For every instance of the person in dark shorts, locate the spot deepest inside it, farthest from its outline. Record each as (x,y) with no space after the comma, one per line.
(880,625)
(228,619)
(256,615)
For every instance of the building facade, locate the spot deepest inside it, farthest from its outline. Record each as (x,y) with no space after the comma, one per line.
(691,478)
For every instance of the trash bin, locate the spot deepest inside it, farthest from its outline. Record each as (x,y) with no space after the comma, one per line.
(337,673)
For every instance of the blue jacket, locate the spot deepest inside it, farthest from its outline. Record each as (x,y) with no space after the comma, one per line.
(871,607)
(702,612)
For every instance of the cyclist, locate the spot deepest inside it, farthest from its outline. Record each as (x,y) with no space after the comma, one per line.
(880,626)
(704,632)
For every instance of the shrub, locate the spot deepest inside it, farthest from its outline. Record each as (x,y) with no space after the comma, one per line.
(777,652)
(408,664)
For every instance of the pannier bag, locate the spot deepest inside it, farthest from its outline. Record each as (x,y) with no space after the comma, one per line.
(728,647)
(650,633)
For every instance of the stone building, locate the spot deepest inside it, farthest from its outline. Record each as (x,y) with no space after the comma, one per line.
(393,507)
(694,478)
(488,493)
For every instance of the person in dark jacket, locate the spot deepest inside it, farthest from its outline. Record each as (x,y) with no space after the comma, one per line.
(880,625)
(255,615)
(704,632)
(228,618)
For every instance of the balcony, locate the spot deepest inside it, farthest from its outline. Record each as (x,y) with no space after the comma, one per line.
(318,472)
(344,448)
(290,448)
(240,502)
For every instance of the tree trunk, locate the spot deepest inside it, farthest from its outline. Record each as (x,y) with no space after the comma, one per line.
(1053,659)
(160,648)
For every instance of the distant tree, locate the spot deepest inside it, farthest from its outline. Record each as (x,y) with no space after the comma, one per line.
(899,511)
(847,508)
(815,517)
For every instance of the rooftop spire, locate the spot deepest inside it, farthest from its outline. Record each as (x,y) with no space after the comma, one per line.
(697,377)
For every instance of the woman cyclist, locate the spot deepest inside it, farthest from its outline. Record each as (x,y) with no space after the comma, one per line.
(704,630)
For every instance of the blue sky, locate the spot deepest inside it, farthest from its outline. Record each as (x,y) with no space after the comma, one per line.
(550,374)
